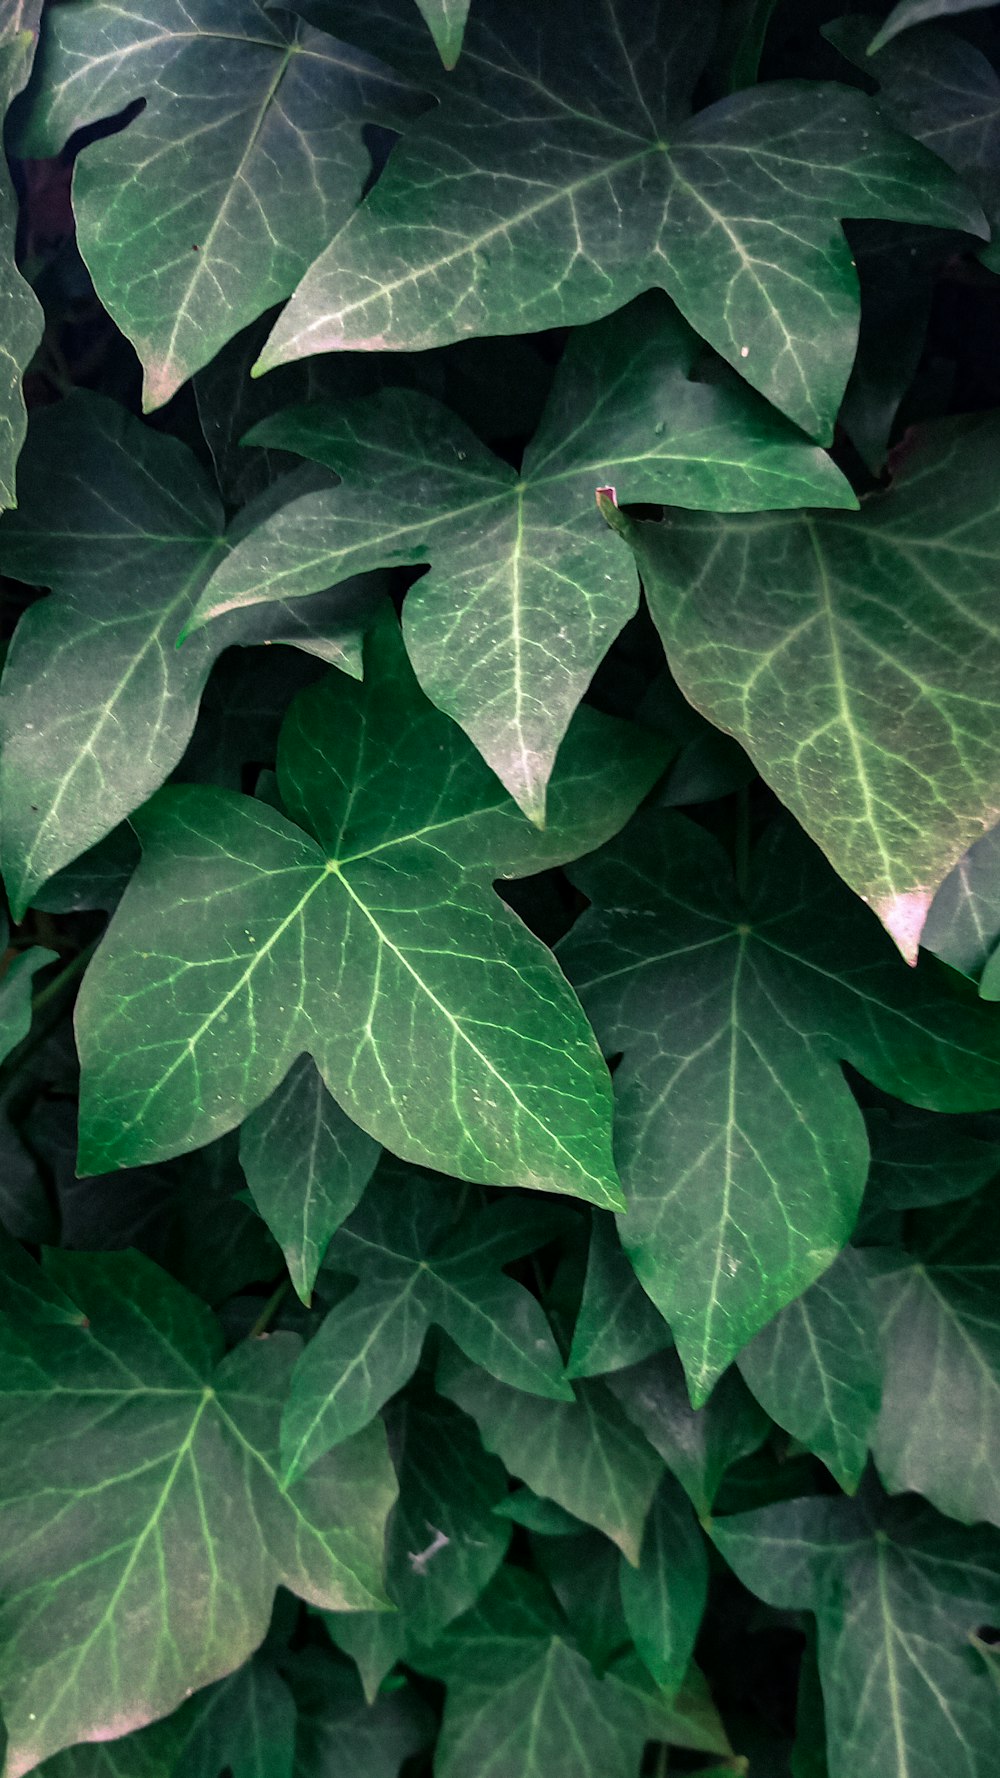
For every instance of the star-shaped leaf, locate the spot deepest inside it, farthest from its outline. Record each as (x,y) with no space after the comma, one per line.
(856,657)
(20,314)
(561,175)
(526,591)
(897,1592)
(413,1269)
(306,1165)
(245,157)
(907,13)
(742,1151)
(98,705)
(369,936)
(147,1563)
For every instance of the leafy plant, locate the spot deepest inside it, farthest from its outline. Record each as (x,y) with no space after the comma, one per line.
(499,797)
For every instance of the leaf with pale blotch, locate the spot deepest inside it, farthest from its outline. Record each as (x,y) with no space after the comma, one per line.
(20,313)
(446,23)
(617,1324)
(147,1564)
(562,174)
(817,1370)
(306,1165)
(527,590)
(897,1592)
(246,156)
(584,1454)
(907,13)
(939,1429)
(368,936)
(414,1268)
(856,656)
(98,705)
(963,925)
(697,1445)
(742,1151)
(664,1598)
(445,1539)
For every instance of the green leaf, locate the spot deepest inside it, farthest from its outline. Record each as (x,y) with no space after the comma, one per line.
(527,591)
(733,1018)
(585,1454)
(445,1541)
(943,92)
(414,1269)
(16,987)
(378,947)
(817,1371)
(98,705)
(543,1517)
(246,157)
(907,13)
(963,925)
(664,1598)
(306,1165)
(938,1431)
(584,1574)
(919,1160)
(698,1445)
(338,1732)
(560,176)
(446,23)
(618,1324)
(858,679)
(147,1564)
(897,1592)
(20,314)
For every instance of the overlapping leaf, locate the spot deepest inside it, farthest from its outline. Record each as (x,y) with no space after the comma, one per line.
(742,1151)
(98,705)
(526,592)
(245,158)
(337,1727)
(368,936)
(857,659)
(446,23)
(413,1269)
(897,1592)
(698,1445)
(19,971)
(664,1598)
(147,1563)
(20,314)
(618,1324)
(963,925)
(561,175)
(907,13)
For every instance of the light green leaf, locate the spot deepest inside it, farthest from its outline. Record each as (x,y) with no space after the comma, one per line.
(245,159)
(585,1455)
(543,1517)
(20,314)
(378,947)
(664,1598)
(446,23)
(98,705)
(856,657)
(742,1151)
(446,1538)
(147,1564)
(618,1324)
(939,1428)
(897,1592)
(907,13)
(526,591)
(561,175)
(339,1733)
(963,925)
(816,1368)
(940,90)
(415,1269)
(306,1165)
(697,1445)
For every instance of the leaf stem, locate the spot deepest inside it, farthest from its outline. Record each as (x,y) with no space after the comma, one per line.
(269,1310)
(74,967)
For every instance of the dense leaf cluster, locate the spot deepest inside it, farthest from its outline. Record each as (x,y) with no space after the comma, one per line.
(499,1027)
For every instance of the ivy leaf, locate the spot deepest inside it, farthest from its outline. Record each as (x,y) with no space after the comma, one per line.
(831,647)
(16,986)
(98,705)
(414,1269)
(697,1445)
(817,1371)
(963,925)
(897,1592)
(918,1160)
(20,314)
(446,23)
(585,1455)
(527,590)
(943,92)
(339,1731)
(445,1538)
(664,1598)
(733,1015)
(618,1324)
(147,1565)
(561,175)
(306,1165)
(940,1422)
(377,946)
(246,157)
(908,13)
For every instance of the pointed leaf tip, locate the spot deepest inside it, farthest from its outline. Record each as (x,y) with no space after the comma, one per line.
(903,917)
